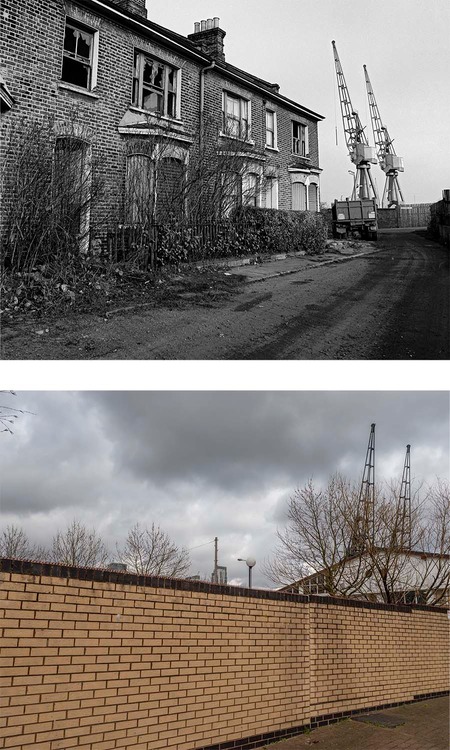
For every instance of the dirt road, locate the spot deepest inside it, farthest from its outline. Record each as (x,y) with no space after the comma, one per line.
(391,304)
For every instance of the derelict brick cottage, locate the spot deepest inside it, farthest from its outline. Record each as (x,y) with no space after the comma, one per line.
(138,107)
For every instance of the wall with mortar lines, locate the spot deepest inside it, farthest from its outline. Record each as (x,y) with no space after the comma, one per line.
(101,664)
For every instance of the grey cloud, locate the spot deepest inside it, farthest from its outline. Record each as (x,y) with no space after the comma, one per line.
(203,464)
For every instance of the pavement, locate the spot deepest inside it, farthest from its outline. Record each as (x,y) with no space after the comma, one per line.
(284,264)
(423,725)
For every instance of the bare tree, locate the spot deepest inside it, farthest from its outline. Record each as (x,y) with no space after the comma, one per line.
(14,543)
(79,546)
(404,558)
(9,415)
(150,551)
(165,183)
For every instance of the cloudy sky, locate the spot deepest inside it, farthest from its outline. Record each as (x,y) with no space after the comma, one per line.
(403,43)
(202,464)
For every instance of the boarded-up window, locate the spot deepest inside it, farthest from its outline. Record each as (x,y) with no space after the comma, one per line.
(231,192)
(312,197)
(271,195)
(250,189)
(170,189)
(72,187)
(298,196)
(139,193)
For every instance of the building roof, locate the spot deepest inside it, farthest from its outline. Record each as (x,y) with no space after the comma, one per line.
(184,46)
(417,553)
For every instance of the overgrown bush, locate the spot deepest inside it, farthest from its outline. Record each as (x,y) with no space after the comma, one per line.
(286,231)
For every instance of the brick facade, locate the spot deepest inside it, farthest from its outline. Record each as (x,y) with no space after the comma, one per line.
(33,40)
(101,660)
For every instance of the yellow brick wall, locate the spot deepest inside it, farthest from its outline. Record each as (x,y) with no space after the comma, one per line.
(103,666)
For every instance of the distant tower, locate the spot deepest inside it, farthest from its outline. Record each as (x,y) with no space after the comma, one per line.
(364,530)
(405,501)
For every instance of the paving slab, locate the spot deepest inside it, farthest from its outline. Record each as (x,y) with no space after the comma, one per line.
(423,725)
(272,268)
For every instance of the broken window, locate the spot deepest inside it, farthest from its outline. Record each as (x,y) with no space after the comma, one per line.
(271,139)
(154,86)
(300,145)
(78,56)
(236,116)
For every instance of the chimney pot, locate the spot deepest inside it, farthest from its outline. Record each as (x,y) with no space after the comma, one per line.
(216,22)
(196,27)
(203,25)
(209,23)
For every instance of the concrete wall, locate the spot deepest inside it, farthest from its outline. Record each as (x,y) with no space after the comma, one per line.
(101,660)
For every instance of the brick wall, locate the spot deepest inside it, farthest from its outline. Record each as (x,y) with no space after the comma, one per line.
(31,66)
(101,660)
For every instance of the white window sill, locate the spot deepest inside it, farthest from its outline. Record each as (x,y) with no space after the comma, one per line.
(77,90)
(272,148)
(155,118)
(249,142)
(299,156)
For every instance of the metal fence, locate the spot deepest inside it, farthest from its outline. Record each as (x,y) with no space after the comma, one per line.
(151,246)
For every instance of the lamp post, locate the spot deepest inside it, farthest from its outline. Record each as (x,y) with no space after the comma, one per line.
(250,562)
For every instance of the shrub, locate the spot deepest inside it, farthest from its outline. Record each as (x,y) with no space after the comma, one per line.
(285,231)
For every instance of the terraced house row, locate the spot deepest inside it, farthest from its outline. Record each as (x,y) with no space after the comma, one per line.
(145,123)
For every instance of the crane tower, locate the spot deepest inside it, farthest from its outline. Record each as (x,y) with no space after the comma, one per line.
(364,530)
(405,501)
(390,163)
(361,154)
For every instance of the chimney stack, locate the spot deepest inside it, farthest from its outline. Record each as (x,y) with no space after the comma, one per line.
(137,7)
(208,37)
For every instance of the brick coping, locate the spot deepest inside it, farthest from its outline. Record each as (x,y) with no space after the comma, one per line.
(104,575)
(247,743)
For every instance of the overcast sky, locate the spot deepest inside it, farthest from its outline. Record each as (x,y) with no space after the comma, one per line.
(202,464)
(403,43)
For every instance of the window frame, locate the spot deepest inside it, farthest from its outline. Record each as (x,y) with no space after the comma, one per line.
(273,131)
(138,85)
(92,63)
(244,133)
(300,142)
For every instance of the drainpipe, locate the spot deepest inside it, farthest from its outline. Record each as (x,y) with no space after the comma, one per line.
(202,97)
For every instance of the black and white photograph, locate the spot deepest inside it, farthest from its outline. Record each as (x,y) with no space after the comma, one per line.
(225,180)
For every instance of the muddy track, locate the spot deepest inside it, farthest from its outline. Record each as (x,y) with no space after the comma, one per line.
(393,304)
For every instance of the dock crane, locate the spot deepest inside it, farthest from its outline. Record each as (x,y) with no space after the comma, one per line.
(364,531)
(390,163)
(405,502)
(361,154)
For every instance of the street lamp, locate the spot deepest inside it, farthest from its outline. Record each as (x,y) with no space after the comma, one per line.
(251,562)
